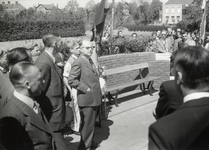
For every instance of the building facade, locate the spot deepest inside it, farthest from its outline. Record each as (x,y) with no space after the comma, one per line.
(12,7)
(172,10)
(45,8)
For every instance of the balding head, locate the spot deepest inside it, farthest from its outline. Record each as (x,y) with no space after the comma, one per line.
(26,78)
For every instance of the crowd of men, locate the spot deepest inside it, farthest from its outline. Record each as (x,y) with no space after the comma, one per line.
(33,109)
(40,99)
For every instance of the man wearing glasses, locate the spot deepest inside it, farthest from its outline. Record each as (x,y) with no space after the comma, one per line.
(84,77)
(163,45)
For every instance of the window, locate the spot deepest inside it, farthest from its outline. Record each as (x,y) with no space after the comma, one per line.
(173,19)
(166,19)
(178,18)
(166,10)
(172,10)
(179,10)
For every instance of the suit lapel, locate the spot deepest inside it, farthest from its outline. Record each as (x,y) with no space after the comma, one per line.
(31,116)
(53,64)
(88,65)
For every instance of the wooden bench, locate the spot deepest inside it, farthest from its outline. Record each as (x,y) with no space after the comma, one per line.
(141,81)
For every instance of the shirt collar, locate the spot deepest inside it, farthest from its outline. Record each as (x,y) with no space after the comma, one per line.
(1,69)
(52,56)
(74,56)
(196,95)
(25,99)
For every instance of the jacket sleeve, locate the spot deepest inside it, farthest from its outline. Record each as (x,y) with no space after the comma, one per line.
(74,78)
(12,136)
(156,139)
(46,75)
(162,103)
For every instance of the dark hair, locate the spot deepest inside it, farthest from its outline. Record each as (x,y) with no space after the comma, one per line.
(120,31)
(194,63)
(134,34)
(19,71)
(49,40)
(17,55)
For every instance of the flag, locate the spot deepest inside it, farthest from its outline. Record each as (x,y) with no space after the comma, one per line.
(203,23)
(99,21)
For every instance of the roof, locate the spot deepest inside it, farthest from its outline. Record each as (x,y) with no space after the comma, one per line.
(183,2)
(13,6)
(46,6)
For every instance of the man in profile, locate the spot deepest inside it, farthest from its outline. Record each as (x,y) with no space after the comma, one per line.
(23,126)
(57,113)
(188,126)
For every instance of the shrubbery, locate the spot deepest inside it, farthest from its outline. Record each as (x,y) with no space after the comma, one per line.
(150,28)
(11,31)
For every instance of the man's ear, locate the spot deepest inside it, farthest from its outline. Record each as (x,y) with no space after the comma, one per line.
(27,84)
(179,77)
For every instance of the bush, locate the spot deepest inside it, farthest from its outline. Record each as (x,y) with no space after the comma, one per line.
(11,31)
(150,28)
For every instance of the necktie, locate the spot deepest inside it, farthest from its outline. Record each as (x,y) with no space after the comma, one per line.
(92,64)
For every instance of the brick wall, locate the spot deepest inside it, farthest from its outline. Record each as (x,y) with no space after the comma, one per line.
(156,67)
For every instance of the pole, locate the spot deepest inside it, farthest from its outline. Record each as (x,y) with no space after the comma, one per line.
(94,56)
(113,6)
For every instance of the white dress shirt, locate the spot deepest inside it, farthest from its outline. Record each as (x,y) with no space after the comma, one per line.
(27,100)
(196,95)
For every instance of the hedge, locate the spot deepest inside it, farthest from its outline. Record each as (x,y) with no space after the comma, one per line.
(150,28)
(11,31)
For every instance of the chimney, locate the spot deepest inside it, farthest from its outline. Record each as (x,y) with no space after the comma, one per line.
(8,2)
(16,2)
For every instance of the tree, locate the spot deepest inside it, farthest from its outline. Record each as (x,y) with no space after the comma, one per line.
(72,5)
(192,16)
(90,4)
(144,9)
(155,7)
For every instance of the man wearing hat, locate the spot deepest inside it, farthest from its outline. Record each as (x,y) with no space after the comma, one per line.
(84,77)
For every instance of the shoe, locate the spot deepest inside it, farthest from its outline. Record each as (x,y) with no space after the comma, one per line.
(95,145)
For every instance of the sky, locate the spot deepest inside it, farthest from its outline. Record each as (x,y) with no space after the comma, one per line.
(61,3)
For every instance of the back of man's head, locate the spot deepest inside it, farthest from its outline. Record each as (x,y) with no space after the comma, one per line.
(193,63)
(19,71)
(17,55)
(49,40)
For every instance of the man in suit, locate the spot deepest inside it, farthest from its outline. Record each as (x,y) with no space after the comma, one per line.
(57,113)
(84,77)
(23,126)
(6,87)
(164,44)
(8,60)
(188,126)
(169,100)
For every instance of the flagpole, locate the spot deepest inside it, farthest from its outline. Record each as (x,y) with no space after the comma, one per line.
(95,54)
(203,22)
(113,5)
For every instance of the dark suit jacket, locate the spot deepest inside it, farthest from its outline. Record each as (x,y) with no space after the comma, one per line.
(6,89)
(186,128)
(54,106)
(82,76)
(22,129)
(169,100)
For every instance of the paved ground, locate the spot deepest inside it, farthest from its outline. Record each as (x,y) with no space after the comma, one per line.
(127,125)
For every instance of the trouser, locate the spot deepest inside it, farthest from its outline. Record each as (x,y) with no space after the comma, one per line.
(88,119)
